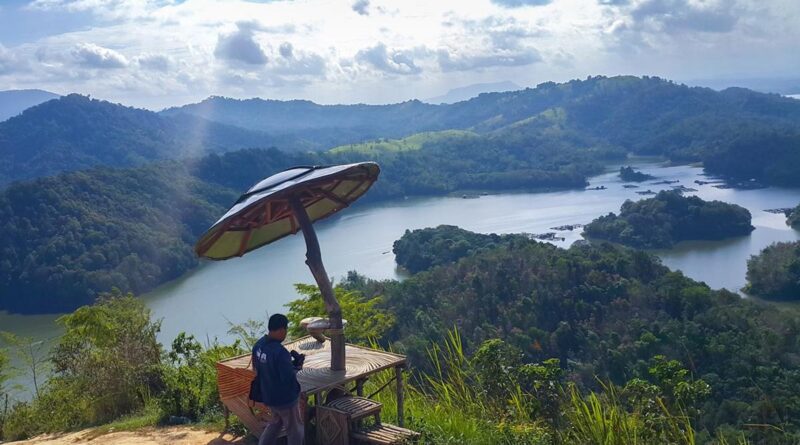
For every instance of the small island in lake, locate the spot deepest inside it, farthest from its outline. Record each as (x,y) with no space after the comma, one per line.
(669,217)
(775,272)
(628,174)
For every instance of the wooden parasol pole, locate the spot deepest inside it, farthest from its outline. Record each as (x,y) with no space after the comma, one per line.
(314,262)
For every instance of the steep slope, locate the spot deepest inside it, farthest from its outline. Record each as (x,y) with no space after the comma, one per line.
(14,102)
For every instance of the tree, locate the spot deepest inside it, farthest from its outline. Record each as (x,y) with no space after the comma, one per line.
(31,353)
(108,357)
(366,321)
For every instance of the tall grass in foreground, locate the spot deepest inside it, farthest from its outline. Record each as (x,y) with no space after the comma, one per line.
(448,406)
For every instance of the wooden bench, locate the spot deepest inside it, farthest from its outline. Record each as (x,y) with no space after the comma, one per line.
(357,408)
(340,422)
(384,434)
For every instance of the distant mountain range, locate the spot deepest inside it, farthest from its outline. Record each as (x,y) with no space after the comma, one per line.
(14,102)
(645,115)
(470,91)
(69,236)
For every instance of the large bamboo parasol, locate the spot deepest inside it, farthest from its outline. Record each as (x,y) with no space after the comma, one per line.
(283,204)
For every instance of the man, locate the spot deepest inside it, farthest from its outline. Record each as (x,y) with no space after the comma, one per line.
(280,390)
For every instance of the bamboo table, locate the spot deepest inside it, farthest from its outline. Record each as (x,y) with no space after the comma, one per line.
(316,378)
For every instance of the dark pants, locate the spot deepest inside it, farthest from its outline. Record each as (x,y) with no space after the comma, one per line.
(285,417)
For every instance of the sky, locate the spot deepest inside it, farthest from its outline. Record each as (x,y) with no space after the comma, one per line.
(159,53)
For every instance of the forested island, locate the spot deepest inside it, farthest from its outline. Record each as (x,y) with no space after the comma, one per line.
(668,218)
(775,272)
(546,340)
(628,174)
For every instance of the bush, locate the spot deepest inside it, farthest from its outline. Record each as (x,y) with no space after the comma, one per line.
(190,378)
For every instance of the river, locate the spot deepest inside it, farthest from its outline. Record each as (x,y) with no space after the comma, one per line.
(205,300)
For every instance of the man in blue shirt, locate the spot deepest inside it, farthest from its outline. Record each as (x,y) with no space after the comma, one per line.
(280,390)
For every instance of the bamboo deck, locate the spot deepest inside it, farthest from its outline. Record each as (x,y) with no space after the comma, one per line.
(235,374)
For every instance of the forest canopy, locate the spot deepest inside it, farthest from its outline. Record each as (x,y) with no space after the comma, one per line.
(604,312)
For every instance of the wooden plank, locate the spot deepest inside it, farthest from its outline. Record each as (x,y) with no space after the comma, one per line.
(385,434)
(400,396)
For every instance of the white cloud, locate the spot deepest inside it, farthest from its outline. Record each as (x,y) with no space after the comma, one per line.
(293,62)
(361,7)
(520,3)
(174,50)
(466,62)
(682,15)
(156,62)
(240,46)
(11,62)
(93,56)
(286,49)
(388,61)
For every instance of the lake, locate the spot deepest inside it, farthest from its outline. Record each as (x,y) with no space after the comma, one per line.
(205,300)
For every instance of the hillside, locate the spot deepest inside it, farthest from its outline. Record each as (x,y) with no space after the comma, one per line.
(14,102)
(736,132)
(413,142)
(605,312)
(668,218)
(76,132)
(645,115)
(134,228)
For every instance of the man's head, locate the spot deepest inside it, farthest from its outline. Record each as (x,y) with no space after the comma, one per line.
(277,325)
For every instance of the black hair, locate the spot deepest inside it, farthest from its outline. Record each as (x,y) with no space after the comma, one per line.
(277,321)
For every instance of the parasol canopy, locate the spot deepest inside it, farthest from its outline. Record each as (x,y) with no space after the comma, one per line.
(282,205)
(264,213)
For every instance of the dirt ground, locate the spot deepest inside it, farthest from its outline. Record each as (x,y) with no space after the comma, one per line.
(148,436)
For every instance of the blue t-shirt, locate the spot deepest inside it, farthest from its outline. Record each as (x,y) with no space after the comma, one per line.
(276,375)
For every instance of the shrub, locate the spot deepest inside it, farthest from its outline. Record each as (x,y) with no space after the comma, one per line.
(190,378)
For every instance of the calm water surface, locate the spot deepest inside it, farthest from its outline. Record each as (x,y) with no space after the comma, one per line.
(205,300)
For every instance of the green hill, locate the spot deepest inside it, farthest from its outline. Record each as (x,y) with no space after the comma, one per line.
(735,132)
(646,115)
(66,238)
(75,132)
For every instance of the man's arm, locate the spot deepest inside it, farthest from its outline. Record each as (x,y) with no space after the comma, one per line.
(286,372)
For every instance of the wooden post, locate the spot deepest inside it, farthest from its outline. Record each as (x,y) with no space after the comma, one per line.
(400,417)
(314,262)
(360,387)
